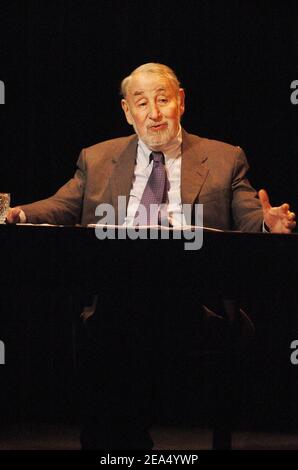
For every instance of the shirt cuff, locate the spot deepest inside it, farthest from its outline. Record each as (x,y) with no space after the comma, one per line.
(23,218)
(265,228)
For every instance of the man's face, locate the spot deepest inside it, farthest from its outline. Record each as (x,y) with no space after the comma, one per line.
(153,106)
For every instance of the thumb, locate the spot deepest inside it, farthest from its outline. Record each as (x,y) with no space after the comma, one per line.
(264,198)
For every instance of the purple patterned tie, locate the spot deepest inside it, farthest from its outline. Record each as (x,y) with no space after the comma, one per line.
(155,192)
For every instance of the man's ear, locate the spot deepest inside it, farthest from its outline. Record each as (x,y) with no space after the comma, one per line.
(181,101)
(126,110)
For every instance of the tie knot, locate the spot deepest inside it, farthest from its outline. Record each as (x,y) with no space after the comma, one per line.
(157,157)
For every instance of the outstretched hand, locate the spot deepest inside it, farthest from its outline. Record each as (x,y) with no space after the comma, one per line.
(278,219)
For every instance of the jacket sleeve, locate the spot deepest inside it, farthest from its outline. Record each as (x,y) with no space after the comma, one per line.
(246,207)
(65,206)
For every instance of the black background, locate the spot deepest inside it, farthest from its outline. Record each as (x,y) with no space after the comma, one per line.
(62,63)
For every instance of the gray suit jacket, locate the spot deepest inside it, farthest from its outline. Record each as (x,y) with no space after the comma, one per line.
(213,173)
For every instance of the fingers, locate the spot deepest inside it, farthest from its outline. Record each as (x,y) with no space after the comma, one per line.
(288,217)
(264,198)
(285,208)
(291,223)
(279,219)
(291,215)
(13,215)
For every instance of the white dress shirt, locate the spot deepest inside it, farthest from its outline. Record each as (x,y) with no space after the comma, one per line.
(142,171)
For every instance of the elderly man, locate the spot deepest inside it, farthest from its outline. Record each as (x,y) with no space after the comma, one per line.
(163,165)
(198,170)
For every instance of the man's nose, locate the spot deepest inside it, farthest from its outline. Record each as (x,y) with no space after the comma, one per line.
(154,111)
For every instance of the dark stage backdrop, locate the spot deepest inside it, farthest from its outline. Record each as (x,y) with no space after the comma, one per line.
(62,62)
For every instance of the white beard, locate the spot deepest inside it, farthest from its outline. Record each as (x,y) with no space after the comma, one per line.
(158,139)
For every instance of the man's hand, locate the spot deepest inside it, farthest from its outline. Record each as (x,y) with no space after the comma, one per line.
(13,215)
(278,219)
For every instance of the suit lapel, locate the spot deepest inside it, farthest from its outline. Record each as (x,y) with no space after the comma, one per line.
(122,176)
(193,170)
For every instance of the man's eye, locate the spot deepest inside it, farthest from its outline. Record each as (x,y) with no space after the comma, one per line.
(142,104)
(162,100)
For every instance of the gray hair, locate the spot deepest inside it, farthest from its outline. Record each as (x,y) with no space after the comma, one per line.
(151,67)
